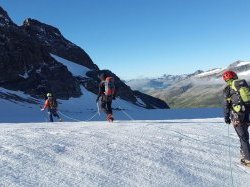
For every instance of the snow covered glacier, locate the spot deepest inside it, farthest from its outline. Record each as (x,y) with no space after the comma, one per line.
(192,152)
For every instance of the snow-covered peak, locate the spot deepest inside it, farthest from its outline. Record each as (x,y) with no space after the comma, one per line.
(210,72)
(243,63)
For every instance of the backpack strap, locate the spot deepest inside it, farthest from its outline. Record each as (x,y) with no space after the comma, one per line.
(233,86)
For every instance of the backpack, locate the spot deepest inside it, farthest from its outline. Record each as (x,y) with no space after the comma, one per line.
(243,92)
(53,103)
(109,86)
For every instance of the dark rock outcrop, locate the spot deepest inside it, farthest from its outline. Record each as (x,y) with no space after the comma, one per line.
(26,63)
(53,40)
(4,18)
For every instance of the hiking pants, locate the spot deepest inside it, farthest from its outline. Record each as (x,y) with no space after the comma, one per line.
(51,113)
(106,105)
(242,132)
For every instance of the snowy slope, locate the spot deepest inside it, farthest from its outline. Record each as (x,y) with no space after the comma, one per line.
(74,68)
(137,153)
(84,108)
(74,109)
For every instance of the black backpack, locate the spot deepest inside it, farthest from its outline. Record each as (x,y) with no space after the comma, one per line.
(53,103)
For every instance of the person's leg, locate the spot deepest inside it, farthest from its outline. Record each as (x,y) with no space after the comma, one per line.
(109,110)
(109,107)
(56,114)
(104,106)
(50,116)
(242,132)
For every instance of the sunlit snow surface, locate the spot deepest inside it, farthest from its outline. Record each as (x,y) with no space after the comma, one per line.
(124,153)
(74,68)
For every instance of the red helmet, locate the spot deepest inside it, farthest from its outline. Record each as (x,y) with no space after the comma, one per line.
(227,75)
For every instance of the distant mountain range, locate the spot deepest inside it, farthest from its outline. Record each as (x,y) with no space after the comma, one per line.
(200,89)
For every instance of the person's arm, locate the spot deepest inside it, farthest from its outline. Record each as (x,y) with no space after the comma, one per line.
(115,92)
(46,105)
(227,104)
(100,92)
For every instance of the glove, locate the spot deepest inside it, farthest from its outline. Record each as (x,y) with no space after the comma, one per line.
(42,109)
(227,120)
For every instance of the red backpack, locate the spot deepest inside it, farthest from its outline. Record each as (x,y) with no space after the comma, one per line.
(109,86)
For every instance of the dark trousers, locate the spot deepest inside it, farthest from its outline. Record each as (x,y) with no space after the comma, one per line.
(106,105)
(242,132)
(51,113)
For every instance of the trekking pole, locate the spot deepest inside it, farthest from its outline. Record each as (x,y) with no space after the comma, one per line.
(98,108)
(230,157)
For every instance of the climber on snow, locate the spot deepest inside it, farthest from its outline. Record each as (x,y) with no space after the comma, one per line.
(107,94)
(51,104)
(237,109)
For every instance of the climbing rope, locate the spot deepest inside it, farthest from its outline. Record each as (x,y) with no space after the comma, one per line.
(68,117)
(126,113)
(230,157)
(77,120)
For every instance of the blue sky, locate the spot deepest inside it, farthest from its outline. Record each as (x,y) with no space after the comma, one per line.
(136,38)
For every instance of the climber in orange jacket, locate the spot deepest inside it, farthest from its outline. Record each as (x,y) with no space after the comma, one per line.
(51,104)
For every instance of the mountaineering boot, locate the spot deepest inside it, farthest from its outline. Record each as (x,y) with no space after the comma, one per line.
(245,162)
(110,118)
